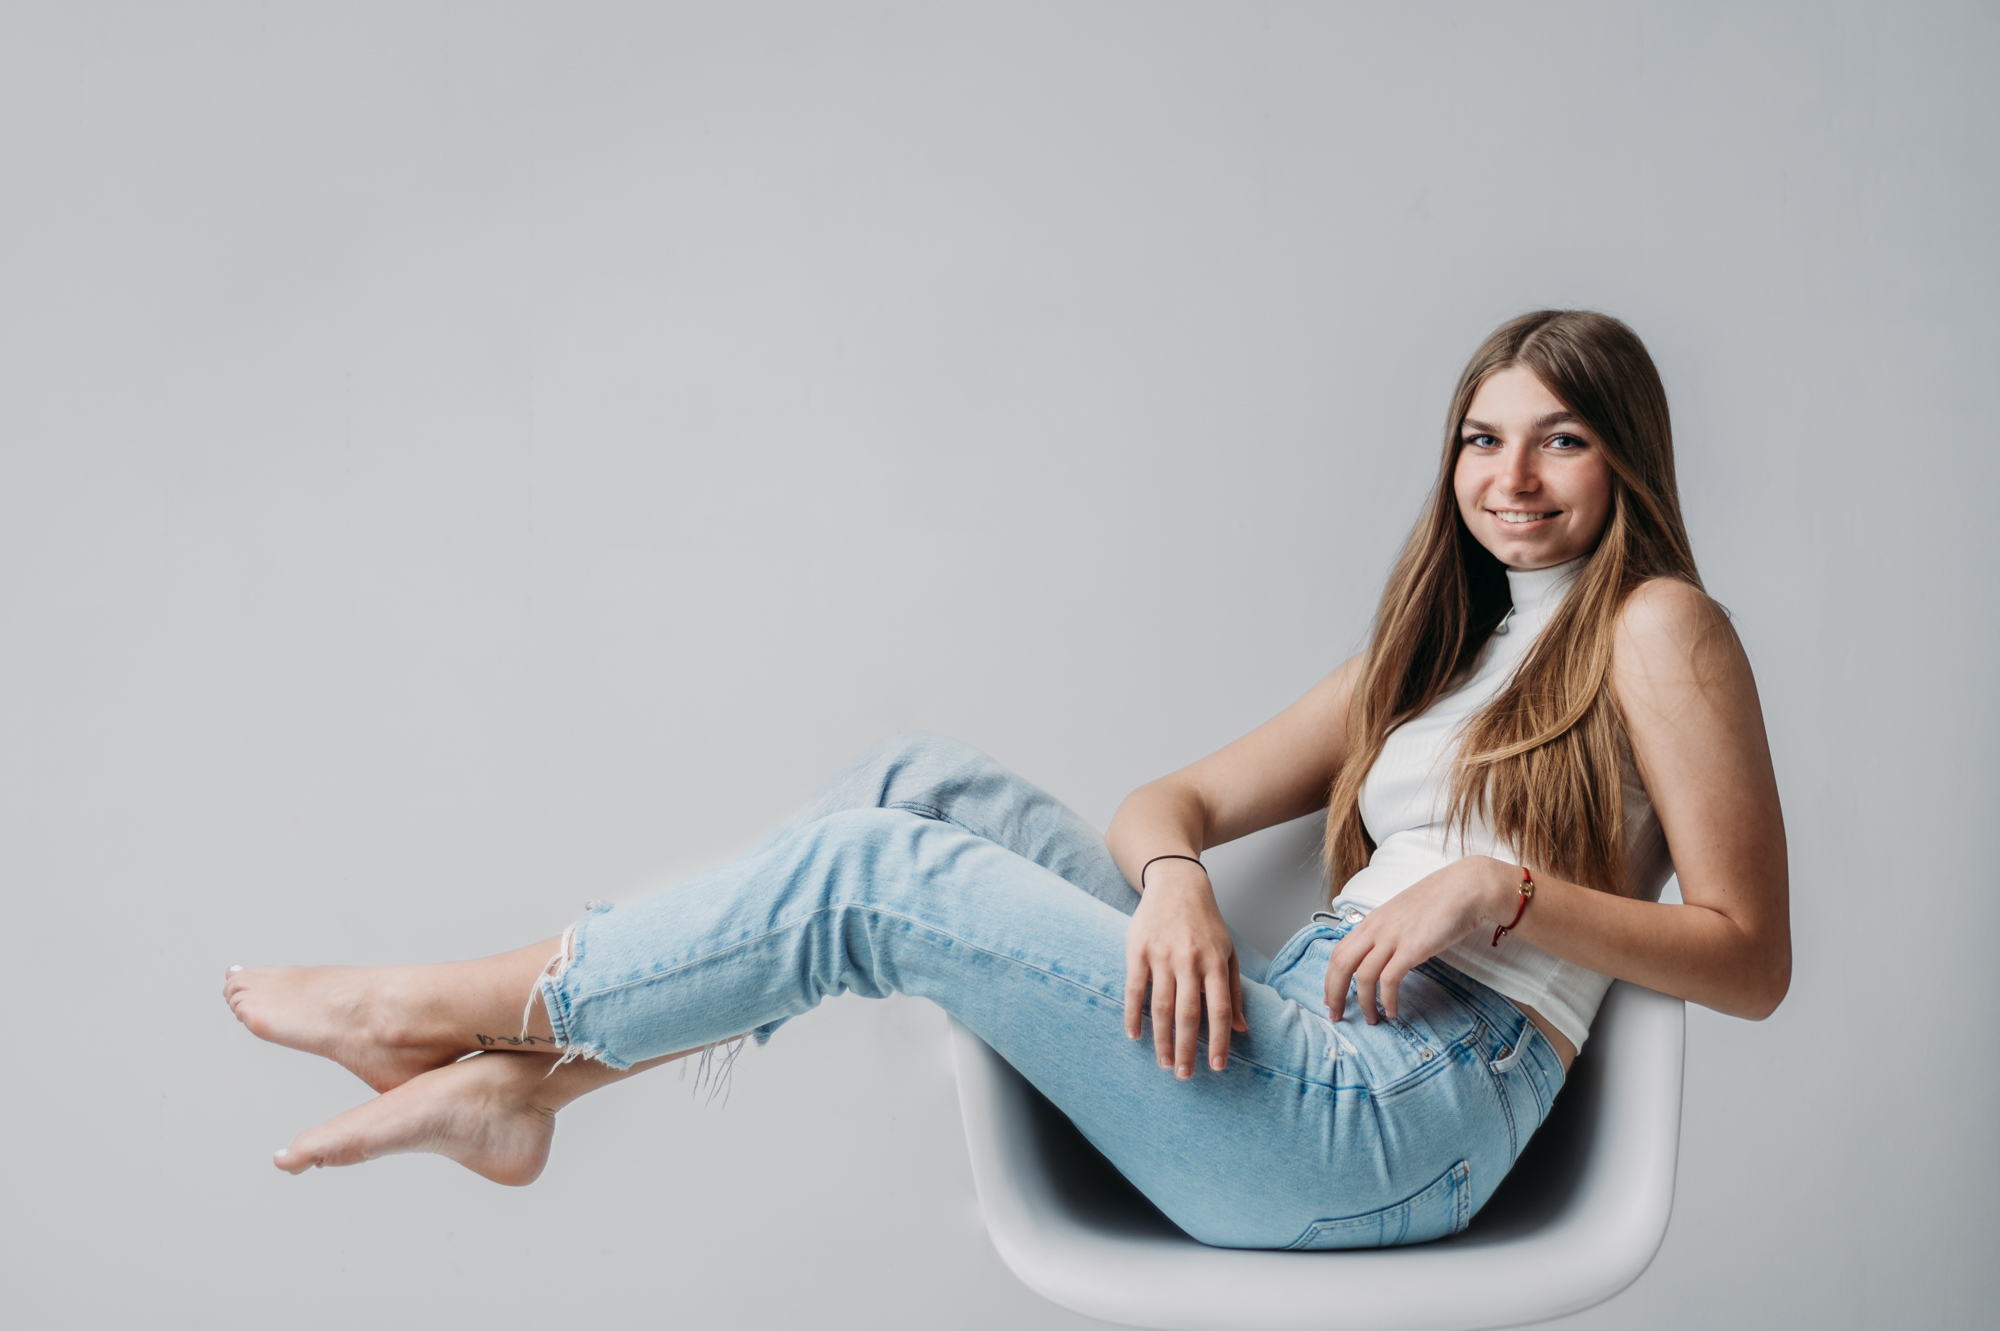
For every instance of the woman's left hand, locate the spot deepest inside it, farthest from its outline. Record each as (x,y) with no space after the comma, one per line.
(1409,929)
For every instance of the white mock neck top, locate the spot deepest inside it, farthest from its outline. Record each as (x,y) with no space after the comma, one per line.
(1405,800)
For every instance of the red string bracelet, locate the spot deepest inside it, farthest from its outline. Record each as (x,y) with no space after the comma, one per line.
(1527,895)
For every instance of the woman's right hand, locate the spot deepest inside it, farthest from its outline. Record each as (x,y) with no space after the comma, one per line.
(1178,946)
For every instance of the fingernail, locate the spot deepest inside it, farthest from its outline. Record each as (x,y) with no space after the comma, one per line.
(234,969)
(281,1152)
(1184,1072)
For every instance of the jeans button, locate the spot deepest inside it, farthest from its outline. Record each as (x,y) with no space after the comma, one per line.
(1426,1055)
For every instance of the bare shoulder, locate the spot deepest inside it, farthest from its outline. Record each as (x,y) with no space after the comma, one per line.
(1668,613)
(1343,679)
(1672,636)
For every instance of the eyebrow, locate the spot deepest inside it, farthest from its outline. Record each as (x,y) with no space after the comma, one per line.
(1539,423)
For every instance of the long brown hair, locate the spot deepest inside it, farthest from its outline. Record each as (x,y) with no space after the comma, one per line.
(1543,763)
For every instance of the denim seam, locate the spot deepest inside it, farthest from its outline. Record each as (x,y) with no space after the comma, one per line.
(555,1004)
(578,949)
(1455,981)
(1529,1073)
(1115,999)
(1456,1183)
(1424,1048)
(1487,1037)
(1506,1103)
(1534,1077)
(1425,1071)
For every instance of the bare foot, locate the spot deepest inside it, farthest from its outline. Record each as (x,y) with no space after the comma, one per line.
(369,1019)
(494,1114)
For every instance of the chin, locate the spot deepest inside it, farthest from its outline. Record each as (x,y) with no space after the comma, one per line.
(1523,557)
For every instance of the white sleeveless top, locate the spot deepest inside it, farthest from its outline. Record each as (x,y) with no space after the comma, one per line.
(1405,800)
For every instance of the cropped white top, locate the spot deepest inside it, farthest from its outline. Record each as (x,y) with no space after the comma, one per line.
(1405,802)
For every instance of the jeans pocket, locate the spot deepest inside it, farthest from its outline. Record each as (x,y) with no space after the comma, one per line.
(1445,1207)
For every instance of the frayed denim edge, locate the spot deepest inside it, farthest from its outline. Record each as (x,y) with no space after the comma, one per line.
(713,1073)
(548,988)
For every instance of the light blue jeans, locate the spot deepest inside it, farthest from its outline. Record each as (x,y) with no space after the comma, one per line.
(928,869)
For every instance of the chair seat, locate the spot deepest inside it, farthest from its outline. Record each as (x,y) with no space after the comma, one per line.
(1578,1219)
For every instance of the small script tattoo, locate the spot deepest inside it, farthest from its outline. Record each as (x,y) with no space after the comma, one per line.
(516,1041)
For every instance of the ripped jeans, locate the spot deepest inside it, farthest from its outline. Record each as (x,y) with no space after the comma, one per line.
(928,869)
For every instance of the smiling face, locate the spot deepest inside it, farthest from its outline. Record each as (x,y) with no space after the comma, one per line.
(1532,480)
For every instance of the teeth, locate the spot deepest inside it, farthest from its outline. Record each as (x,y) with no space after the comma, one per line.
(1511,515)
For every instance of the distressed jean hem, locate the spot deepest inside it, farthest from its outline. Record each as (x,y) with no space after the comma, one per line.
(562,1016)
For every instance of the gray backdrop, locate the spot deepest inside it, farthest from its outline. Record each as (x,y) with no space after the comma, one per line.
(459,460)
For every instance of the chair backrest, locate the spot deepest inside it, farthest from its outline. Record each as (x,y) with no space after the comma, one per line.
(1577,1220)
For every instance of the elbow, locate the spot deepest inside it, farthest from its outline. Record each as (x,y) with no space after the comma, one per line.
(1129,811)
(1763,1006)
(1775,991)
(1760,998)
(1170,800)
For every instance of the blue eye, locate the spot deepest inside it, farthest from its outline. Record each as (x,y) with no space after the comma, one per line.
(1567,442)
(1481,441)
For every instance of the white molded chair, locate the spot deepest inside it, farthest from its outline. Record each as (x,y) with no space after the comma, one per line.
(1577,1220)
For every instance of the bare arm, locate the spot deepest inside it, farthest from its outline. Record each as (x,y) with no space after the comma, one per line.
(1698,739)
(1690,705)
(1177,943)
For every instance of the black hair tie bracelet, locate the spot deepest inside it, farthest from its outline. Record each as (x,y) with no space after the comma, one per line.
(1157,858)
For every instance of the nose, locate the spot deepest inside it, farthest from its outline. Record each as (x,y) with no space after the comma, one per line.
(1520,471)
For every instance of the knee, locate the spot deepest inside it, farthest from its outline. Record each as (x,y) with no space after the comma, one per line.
(918,767)
(861,855)
(922,748)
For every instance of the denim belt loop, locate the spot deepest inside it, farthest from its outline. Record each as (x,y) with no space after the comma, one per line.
(1509,1057)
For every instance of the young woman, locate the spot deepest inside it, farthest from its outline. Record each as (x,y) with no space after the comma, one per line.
(1550,707)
